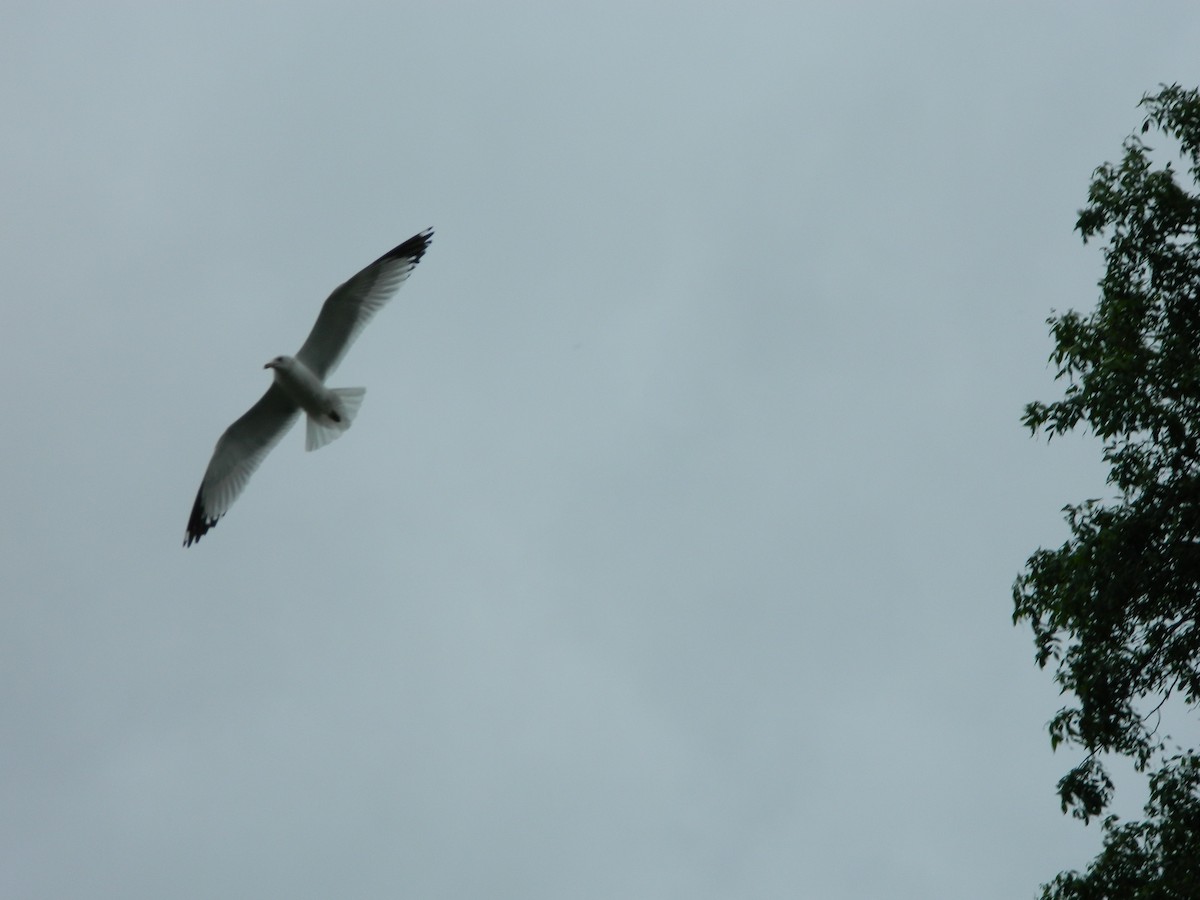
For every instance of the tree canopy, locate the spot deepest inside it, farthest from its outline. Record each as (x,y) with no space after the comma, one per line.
(1115,611)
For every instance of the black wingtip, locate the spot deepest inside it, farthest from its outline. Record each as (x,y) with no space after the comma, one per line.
(198,523)
(414,248)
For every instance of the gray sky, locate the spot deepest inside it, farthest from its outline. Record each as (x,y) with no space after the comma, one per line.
(670,554)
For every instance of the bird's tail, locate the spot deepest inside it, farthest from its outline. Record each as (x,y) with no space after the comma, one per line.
(329,427)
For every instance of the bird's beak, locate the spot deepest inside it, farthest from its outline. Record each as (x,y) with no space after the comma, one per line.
(270,365)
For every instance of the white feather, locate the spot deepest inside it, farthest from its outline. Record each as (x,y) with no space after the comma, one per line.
(322,430)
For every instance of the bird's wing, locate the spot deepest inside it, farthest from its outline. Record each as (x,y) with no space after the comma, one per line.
(241,448)
(352,304)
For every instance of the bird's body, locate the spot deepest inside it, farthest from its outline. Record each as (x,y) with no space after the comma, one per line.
(299,386)
(303,387)
(330,410)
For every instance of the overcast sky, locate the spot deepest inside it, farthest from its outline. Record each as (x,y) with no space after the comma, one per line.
(670,555)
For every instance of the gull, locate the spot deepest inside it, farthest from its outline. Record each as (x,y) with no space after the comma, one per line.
(299,386)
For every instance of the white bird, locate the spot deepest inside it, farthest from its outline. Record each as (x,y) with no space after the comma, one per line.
(299,385)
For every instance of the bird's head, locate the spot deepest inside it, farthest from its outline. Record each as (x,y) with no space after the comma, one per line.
(279,362)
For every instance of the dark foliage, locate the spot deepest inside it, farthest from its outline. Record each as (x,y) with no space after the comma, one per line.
(1116,609)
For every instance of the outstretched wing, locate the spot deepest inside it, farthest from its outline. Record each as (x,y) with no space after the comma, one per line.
(352,304)
(241,448)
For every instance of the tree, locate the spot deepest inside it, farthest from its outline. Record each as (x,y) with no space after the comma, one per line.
(1115,611)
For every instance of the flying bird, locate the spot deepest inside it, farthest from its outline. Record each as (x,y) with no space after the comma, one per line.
(299,386)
